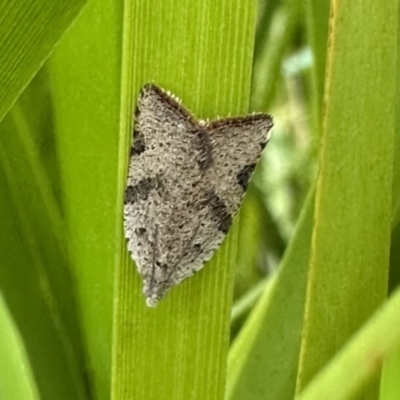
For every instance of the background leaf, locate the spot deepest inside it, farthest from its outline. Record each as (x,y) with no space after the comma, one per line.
(360,361)
(262,359)
(85,76)
(29,30)
(350,247)
(35,275)
(16,379)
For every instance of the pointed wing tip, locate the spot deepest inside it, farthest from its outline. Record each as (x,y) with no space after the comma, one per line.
(264,116)
(150,87)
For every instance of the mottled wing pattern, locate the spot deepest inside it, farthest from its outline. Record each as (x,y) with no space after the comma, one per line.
(237,145)
(160,193)
(234,148)
(185,183)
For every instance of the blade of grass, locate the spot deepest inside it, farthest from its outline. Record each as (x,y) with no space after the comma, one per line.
(29,30)
(390,389)
(258,236)
(263,359)
(245,304)
(201,51)
(86,97)
(317,25)
(35,275)
(396,164)
(349,262)
(266,12)
(268,64)
(361,358)
(16,378)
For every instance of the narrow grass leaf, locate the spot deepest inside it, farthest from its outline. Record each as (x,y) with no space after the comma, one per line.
(35,274)
(390,389)
(361,358)
(16,378)
(350,250)
(263,359)
(29,30)
(317,13)
(269,61)
(84,77)
(396,160)
(202,52)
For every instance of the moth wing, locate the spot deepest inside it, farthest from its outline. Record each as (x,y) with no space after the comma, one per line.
(230,151)
(162,168)
(237,144)
(158,113)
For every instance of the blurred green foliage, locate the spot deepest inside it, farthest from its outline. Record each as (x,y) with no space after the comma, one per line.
(282,86)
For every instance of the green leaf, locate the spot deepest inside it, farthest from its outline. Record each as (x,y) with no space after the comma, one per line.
(16,378)
(396,164)
(317,27)
(268,63)
(35,275)
(349,258)
(85,80)
(29,30)
(361,359)
(390,389)
(262,360)
(203,54)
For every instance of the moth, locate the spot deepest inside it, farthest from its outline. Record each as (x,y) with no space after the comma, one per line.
(186,180)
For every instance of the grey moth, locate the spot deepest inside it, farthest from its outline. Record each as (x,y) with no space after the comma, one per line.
(186,180)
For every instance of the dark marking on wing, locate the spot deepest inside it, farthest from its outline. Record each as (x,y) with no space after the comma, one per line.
(139,146)
(141,190)
(140,231)
(244,175)
(219,212)
(263,144)
(203,145)
(197,247)
(161,265)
